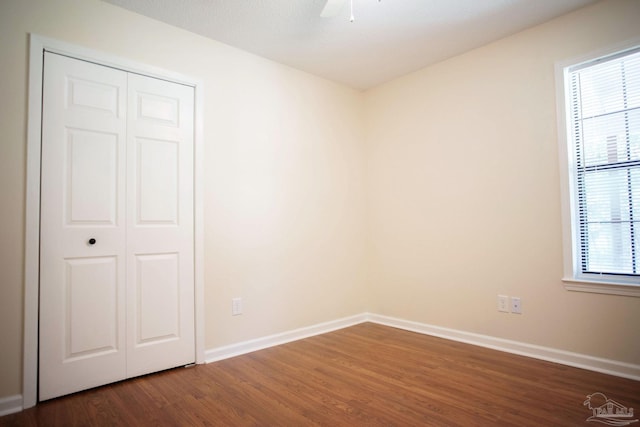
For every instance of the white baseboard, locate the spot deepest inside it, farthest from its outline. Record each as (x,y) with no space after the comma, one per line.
(10,404)
(577,360)
(244,347)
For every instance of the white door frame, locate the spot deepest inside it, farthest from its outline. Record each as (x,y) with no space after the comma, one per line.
(37,46)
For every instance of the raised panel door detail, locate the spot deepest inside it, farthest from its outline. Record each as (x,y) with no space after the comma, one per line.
(91,306)
(157,181)
(92,177)
(158,298)
(91,94)
(158,108)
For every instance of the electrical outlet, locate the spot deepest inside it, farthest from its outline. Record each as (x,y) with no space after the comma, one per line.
(503,303)
(236,306)
(516,305)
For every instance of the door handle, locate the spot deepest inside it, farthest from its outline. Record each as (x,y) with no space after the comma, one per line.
(92,241)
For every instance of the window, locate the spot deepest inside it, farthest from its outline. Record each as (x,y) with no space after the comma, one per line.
(602,107)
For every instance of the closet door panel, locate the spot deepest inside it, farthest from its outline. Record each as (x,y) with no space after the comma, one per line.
(160,225)
(82,246)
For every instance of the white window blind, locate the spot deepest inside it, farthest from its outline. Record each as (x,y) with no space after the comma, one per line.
(605,125)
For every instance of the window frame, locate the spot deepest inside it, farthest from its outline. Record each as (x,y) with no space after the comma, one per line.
(573,278)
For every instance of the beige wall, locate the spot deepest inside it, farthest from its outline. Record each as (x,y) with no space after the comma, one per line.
(464,199)
(284,174)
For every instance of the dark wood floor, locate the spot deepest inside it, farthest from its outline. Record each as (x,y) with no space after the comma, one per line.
(365,375)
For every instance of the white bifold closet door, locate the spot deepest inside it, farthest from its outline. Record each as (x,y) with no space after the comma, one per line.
(116,244)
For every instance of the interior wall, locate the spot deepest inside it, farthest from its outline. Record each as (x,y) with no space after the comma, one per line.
(283,174)
(464,192)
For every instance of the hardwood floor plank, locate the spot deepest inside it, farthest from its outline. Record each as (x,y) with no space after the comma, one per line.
(365,375)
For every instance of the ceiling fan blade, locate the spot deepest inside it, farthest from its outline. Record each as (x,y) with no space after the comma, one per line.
(332,8)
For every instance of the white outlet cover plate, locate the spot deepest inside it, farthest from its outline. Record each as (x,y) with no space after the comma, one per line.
(503,303)
(236,306)
(516,305)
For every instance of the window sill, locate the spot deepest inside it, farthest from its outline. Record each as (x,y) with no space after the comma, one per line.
(578,285)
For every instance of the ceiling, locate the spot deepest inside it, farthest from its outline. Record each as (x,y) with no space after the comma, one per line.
(388,38)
